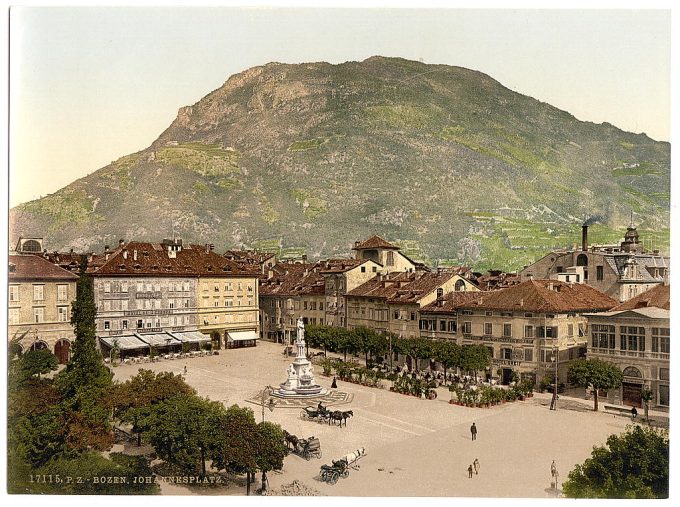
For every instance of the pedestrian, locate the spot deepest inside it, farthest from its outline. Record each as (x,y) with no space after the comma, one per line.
(553,469)
(470,472)
(475,464)
(185,370)
(473,431)
(633,412)
(334,385)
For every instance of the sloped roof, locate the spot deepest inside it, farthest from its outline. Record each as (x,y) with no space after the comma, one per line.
(340,265)
(34,267)
(152,259)
(659,296)
(294,280)
(651,312)
(375,242)
(402,287)
(545,296)
(452,301)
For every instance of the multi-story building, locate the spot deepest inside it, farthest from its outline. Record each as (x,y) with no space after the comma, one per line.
(636,337)
(340,277)
(164,294)
(390,302)
(386,254)
(620,271)
(252,260)
(533,329)
(40,298)
(291,291)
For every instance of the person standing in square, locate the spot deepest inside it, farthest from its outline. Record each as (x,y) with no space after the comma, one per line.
(473,431)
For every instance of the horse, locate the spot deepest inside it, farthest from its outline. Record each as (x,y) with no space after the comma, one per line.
(291,440)
(340,416)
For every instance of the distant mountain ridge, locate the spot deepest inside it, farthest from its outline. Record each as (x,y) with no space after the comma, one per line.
(444,161)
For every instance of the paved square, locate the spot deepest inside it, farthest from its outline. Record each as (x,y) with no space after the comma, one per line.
(414,447)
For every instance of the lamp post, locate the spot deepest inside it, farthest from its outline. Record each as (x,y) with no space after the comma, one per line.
(271,404)
(555,359)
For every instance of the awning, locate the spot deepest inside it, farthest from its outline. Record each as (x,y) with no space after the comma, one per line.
(239,336)
(191,337)
(126,342)
(158,339)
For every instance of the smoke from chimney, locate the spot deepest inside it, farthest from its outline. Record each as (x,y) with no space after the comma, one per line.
(584,237)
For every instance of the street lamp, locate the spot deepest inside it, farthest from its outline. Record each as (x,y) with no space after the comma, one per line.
(271,404)
(554,357)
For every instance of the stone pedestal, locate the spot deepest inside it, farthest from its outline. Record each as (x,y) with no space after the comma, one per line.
(300,382)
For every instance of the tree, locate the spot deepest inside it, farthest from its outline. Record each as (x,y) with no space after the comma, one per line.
(447,353)
(596,373)
(632,465)
(270,449)
(647,396)
(134,399)
(474,358)
(236,449)
(184,431)
(37,362)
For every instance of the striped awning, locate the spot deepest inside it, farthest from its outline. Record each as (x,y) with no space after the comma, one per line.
(238,336)
(191,337)
(125,342)
(158,339)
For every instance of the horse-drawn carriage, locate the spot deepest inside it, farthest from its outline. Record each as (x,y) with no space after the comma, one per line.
(308,447)
(340,468)
(322,414)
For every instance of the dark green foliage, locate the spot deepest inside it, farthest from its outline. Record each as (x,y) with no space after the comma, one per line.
(632,465)
(595,373)
(437,133)
(36,363)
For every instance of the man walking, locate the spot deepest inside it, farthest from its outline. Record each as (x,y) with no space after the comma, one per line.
(473,431)
(470,472)
(475,465)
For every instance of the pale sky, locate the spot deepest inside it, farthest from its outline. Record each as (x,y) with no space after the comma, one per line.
(89,85)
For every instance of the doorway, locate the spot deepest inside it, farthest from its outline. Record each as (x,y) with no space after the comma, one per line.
(632,394)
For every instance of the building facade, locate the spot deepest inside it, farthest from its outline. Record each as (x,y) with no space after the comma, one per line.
(40,298)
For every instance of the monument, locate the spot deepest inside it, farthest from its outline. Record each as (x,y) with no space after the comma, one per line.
(300,382)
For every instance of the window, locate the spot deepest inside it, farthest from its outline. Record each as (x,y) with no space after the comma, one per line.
(38,315)
(507,330)
(124,325)
(442,325)
(140,323)
(363,269)
(320,305)
(396,314)
(490,349)
(599,273)
(632,338)
(124,304)
(604,336)
(440,293)
(570,329)
(304,305)
(140,287)
(217,303)
(528,354)
(452,326)
(488,313)
(390,258)
(413,315)
(123,286)
(107,305)
(38,293)
(488,328)
(467,327)
(13,316)
(661,340)
(506,353)
(374,269)
(107,325)
(664,395)
(528,331)
(14,293)
(107,287)
(312,305)
(62,292)
(459,286)
(546,332)
(62,313)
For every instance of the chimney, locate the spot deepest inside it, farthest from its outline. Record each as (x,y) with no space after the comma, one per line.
(584,237)
(304,258)
(121,242)
(71,250)
(106,249)
(270,274)
(207,248)
(134,255)
(356,243)
(125,254)
(212,246)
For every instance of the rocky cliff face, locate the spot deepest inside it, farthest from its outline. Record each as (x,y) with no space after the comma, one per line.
(443,160)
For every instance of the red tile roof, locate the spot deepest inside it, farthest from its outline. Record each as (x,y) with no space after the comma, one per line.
(545,296)
(401,287)
(34,267)
(452,301)
(375,242)
(340,265)
(659,296)
(293,280)
(152,259)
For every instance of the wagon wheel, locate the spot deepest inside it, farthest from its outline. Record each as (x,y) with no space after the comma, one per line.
(345,473)
(333,477)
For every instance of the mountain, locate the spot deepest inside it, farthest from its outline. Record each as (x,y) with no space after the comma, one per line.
(444,161)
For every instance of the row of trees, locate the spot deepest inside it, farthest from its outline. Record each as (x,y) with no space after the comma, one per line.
(375,346)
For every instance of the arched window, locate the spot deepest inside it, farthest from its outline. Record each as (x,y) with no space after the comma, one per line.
(30,245)
(582,260)
(631,371)
(39,345)
(460,286)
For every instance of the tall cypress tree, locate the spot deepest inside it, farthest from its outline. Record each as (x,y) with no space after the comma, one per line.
(85,383)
